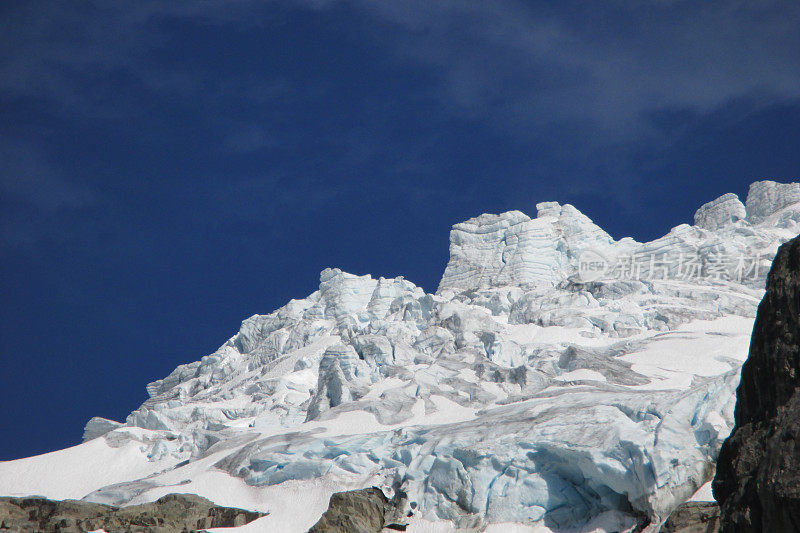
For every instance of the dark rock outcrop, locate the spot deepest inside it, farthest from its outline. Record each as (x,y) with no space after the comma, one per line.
(359,511)
(171,513)
(757,483)
(693,517)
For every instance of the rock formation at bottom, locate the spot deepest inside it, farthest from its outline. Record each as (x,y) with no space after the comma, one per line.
(758,472)
(361,511)
(171,513)
(693,517)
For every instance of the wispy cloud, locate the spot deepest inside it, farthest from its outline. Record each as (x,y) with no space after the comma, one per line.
(76,57)
(587,82)
(39,202)
(518,66)
(95,62)
(601,90)
(27,178)
(607,66)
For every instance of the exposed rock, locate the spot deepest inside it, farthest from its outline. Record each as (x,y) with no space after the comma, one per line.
(758,473)
(693,517)
(173,512)
(358,511)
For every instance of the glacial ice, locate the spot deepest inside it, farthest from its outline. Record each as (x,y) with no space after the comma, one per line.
(719,213)
(557,377)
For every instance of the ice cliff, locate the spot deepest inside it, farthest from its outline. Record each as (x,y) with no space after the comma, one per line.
(557,377)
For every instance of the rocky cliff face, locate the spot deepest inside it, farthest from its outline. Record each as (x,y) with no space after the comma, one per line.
(758,475)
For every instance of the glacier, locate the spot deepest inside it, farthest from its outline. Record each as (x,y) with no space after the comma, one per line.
(558,379)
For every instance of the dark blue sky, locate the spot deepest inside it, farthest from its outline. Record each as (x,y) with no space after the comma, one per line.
(168,169)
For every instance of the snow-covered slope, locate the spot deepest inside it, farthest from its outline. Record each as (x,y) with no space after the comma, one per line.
(558,379)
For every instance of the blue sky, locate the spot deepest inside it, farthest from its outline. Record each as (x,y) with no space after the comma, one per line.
(168,169)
